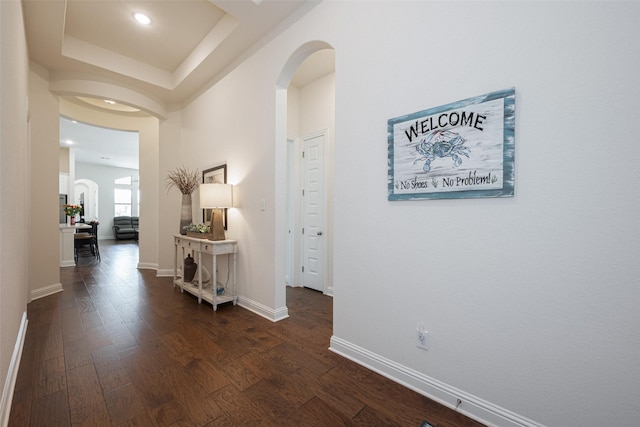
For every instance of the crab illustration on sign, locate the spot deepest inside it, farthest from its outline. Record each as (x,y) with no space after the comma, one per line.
(441,144)
(460,150)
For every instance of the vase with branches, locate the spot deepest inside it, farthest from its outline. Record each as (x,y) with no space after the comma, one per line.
(187,181)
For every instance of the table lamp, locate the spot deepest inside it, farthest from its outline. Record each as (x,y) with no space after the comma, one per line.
(216,197)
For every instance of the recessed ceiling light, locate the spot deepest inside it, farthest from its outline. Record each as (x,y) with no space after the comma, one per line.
(107,103)
(142,18)
(68,142)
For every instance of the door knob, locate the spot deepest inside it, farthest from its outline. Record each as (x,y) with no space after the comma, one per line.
(319,233)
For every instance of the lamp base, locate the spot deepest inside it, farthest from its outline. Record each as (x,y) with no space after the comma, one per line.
(217,228)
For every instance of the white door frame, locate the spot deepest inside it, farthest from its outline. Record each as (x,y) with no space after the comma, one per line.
(292,278)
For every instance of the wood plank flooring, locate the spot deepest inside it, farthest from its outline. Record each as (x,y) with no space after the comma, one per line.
(121,347)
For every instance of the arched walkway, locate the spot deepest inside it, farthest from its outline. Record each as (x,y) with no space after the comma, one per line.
(283,246)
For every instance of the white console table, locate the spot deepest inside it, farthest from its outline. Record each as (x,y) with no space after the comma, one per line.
(185,245)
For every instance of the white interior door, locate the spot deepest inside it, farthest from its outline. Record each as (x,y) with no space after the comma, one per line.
(313,214)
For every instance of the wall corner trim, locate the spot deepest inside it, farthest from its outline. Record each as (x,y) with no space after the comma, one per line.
(471,406)
(12,374)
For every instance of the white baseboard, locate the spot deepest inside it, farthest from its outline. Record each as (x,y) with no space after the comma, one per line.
(165,272)
(147,266)
(46,291)
(471,406)
(263,310)
(12,373)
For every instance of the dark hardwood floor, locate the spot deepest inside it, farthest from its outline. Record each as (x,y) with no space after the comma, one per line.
(121,347)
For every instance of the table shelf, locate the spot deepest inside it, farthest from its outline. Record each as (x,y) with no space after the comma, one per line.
(184,245)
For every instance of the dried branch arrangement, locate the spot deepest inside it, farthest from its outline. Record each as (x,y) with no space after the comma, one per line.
(185,180)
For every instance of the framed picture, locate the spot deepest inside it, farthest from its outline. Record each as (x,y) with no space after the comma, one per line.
(215,175)
(461,150)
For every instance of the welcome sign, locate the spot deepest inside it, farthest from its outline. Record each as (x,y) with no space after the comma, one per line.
(460,150)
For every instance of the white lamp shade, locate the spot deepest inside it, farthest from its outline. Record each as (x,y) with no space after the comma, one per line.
(216,196)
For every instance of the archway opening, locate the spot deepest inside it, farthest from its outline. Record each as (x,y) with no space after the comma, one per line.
(87,195)
(305,114)
(97,156)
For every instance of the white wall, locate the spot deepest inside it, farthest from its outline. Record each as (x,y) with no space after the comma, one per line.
(293,111)
(225,126)
(317,105)
(169,201)
(531,301)
(513,291)
(44,184)
(15,203)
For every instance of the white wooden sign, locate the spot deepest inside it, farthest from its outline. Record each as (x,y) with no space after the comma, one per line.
(460,150)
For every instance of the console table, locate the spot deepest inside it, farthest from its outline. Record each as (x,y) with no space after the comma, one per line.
(183,246)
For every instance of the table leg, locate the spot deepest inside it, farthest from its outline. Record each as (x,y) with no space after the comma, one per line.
(214,281)
(199,277)
(175,263)
(235,292)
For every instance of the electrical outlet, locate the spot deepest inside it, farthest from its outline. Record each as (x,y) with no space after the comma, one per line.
(423,338)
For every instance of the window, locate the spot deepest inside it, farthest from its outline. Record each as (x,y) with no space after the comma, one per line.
(122,196)
(122,201)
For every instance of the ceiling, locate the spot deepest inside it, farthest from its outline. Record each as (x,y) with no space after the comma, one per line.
(189,45)
(100,146)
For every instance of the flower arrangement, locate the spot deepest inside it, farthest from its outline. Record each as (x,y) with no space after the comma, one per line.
(199,231)
(72,210)
(185,180)
(197,228)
